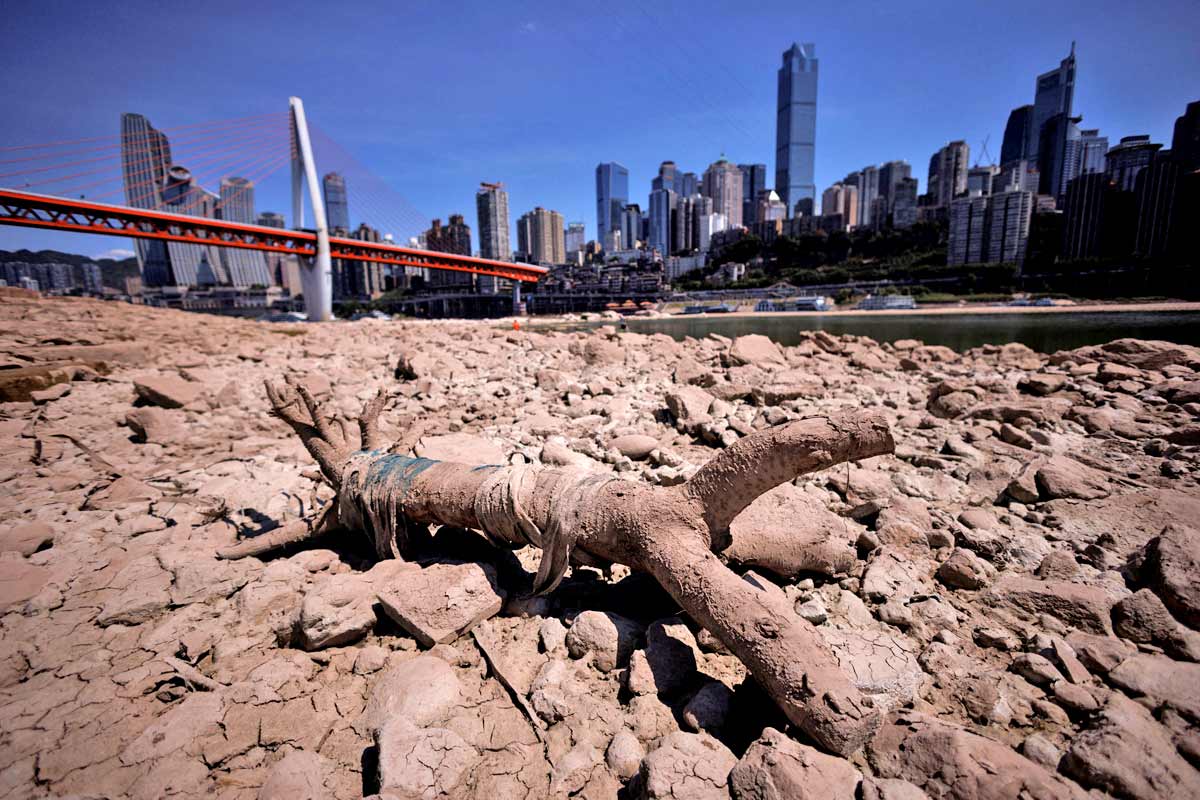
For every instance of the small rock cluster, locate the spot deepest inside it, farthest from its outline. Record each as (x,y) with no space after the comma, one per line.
(1018,587)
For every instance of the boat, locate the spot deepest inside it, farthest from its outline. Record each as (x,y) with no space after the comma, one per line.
(887,302)
(720,308)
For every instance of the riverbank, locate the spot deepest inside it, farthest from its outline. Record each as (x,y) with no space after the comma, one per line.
(981,308)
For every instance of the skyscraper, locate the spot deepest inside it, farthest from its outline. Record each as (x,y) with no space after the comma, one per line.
(191,264)
(968,231)
(890,176)
(866,181)
(454,237)
(796,126)
(666,177)
(1009,215)
(754,180)
(1185,142)
(337,208)
(980,177)
(540,236)
(1054,95)
(662,207)
(1131,155)
(491,205)
(272,220)
(723,183)
(1019,136)
(576,237)
(631,225)
(145,159)
(948,173)
(904,203)
(612,194)
(1092,151)
(840,199)
(236,204)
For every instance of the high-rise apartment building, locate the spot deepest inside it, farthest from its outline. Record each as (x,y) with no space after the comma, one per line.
(866,182)
(754,180)
(842,200)
(454,237)
(796,126)
(980,178)
(337,205)
(612,195)
(968,231)
(272,219)
(1009,216)
(1019,136)
(890,175)
(236,204)
(723,183)
(540,236)
(904,203)
(948,173)
(491,206)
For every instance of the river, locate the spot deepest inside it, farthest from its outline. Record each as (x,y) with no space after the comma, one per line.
(1042,331)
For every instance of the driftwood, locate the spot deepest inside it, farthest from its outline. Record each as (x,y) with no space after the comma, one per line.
(670,532)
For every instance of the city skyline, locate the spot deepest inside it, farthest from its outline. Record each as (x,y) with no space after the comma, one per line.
(734,113)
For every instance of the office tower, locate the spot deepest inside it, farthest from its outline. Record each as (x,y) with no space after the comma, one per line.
(540,236)
(191,264)
(754,180)
(904,203)
(1157,194)
(842,200)
(723,183)
(769,207)
(365,278)
(968,231)
(682,224)
(980,178)
(686,184)
(890,175)
(1016,176)
(1083,215)
(454,237)
(1018,136)
(270,219)
(665,178)
(948,173)
(1054,94)
(612,194)
(337,207)
(576,237)
(236,204)
(1009,216)
(145,159)
(866,182)
(1127,159)
(1093,148)
(1185,143)
(708,225)
(491,206)
(796,125)
(1058,154)
(662,208)
(631,225)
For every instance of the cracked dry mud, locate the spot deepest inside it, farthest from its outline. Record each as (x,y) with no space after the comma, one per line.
(1016,587)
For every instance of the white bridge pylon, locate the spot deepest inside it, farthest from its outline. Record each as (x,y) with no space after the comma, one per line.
(316,276)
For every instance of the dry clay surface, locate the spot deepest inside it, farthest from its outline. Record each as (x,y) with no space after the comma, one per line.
(1017,586)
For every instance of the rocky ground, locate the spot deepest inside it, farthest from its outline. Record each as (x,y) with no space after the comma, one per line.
(1017,585)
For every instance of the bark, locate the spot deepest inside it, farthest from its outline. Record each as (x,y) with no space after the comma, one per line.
(670,532)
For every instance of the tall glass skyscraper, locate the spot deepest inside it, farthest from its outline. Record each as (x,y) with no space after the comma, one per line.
(1054,95)
(337,208)
(1018,136)
(754,180)
(145,159)
(796,126)
(244,267)
(612,194)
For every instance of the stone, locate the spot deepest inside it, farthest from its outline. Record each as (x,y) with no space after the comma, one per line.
(1082,606)
(55,392)
(137,594)
(755,350)
(335,613)
(1100,654)
(167,391)
(813,610)
(965,570)
(552,634)
(152,424)
(948,761)
(1170,565)
(1163,680)
(1036,669)
(1065,658)
(422,690)
(709,708)
(776,767)
(300,775)
(1063,477)
(624,754)
(635,446)
(1040,750)
(421,762)
(687,766)
(20,581)
(1128,754)
(441,602)
(26,538)
(882,662)
(1143,618)
(610,637)
(689,405)
(1042,383)
(890,789)
(788,532)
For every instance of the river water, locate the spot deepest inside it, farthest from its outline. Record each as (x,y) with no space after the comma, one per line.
(1045,332)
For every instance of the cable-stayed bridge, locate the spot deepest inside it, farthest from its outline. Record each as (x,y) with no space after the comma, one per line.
(138,186)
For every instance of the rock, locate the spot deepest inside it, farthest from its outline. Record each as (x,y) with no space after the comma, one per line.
(687,766)
(152,424)
(335,613)
(1170,565)
(1062,477)
(1059,565)
(441,602)
(18,384)
(1036,669)
(964,570)
(813,610)
(167,391)
(624,755)
(610,637)
(756,350)
(1042,383)
(788,531)
(51,394)
(1082,606)
(890,789)
(20,581)
(709,708)
(1040,750)
(552,634)
(26,538)
(635,446)
(1128,754)
(1065,658)
(422,690)
(778,768)
(421,762)
(689,405)
(948,761)
(300,775)
(1143,618)
(138,593)
(1140,353)
(1100,654)
(882,662)
(462,447)
(1163,680)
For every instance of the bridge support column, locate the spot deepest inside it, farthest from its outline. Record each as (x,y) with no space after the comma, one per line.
(516,306)
(317,277)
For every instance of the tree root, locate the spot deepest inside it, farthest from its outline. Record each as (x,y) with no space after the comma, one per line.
(670,532)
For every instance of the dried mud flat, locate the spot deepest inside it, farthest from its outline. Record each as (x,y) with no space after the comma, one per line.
(1017,586)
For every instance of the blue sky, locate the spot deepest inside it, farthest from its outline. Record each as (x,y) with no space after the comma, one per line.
(436,97)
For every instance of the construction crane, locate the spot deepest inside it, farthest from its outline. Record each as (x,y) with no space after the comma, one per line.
(983,153)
